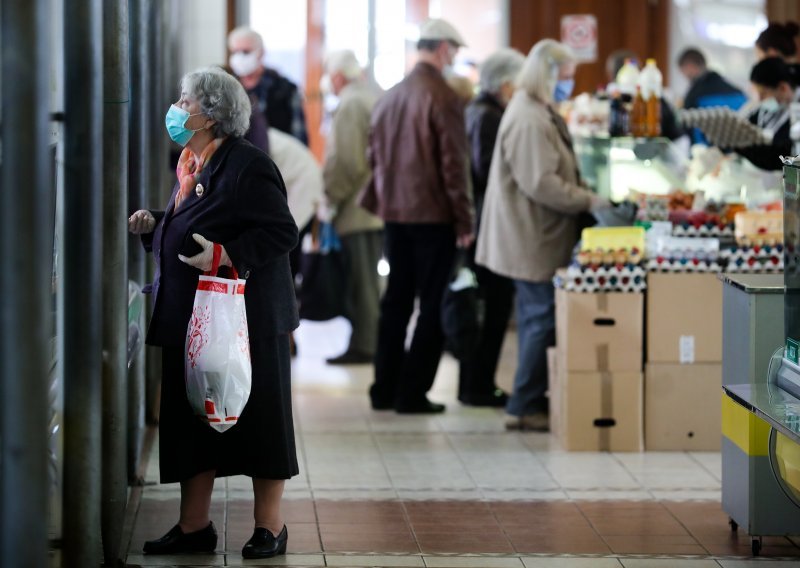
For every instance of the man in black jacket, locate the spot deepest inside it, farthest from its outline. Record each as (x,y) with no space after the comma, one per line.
(483,115)
(276,97)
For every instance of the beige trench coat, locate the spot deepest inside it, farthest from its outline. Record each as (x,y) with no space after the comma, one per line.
(529,225)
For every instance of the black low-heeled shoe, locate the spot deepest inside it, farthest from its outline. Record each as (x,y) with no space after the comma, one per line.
(263,545)
(178,542)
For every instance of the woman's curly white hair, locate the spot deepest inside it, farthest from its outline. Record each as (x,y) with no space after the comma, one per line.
(221,97)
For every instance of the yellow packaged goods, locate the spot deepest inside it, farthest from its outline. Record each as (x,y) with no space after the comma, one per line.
(684,318)
(683,407)
(598,411)
(599,332)
(759,227)
(613,238)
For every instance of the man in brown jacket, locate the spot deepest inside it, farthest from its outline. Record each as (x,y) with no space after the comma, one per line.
(418,152)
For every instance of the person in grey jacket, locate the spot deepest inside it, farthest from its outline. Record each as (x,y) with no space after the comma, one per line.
(529,223)
(345,172)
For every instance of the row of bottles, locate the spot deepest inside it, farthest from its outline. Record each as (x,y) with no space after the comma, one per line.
(636,105)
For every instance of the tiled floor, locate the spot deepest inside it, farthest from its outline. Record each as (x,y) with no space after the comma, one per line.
(456,490)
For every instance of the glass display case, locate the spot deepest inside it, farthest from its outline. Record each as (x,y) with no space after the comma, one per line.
(614,166)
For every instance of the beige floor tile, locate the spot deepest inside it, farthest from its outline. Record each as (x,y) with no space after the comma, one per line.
(177,560)
(471,562)
(667,563)
(286,560)
(374,560)
(533,562)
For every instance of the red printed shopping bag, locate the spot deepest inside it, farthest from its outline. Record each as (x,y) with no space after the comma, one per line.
(218,369)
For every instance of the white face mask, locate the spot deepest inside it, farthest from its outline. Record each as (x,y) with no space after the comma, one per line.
(770,105)
(244,64)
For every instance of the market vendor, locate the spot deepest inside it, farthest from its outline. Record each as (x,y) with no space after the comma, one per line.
(775,82)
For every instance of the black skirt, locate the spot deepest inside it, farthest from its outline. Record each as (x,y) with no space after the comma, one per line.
(260,445)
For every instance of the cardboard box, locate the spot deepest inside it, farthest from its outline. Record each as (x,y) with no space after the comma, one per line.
(554,389)
(682,407)
(599,332)
(598,411)
(684,318)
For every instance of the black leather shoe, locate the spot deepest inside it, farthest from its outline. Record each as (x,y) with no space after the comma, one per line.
(351,358)
(263,545)
(495,399)
(425,407)
(178,542)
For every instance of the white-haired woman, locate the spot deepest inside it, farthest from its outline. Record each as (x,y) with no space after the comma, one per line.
(529,222)
(476,385)
(230,193)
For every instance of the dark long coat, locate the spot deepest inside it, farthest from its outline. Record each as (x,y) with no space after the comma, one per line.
(239,202)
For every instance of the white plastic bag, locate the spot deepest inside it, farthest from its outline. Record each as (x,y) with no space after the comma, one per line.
(218,368)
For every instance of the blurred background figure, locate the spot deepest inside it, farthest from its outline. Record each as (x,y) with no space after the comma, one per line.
(775,83)
(706,88)
(778,40)
(420,188)
(278,99)
(346,171)
(529,223)
(477,370)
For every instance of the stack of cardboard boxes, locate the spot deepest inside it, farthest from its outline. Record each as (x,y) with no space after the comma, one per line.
(596,383)
(683,374)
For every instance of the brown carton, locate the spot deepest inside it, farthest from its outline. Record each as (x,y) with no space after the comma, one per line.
(554,388)
(684,318)
(682,406)
(599,332)
(598,411)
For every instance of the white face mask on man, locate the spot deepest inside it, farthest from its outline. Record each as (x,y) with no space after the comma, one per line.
(244,63)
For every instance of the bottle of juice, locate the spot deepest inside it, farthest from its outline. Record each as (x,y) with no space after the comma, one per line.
(628,77)
(650,83)
(638,116)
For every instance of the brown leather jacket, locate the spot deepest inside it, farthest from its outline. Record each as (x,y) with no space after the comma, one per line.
(418,152)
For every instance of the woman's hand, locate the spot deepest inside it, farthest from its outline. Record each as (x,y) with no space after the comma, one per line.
(142,222)
(597,203)
(204,259)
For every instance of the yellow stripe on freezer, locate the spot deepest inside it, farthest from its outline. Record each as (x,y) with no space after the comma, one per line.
(744,428)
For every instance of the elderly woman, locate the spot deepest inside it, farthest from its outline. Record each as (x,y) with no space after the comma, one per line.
(230,193)
(476,384)
(529,222)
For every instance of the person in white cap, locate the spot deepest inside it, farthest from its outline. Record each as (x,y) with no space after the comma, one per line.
(345,172)
(418,152)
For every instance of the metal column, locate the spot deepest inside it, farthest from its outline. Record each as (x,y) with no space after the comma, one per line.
(156,174)
(116,92)
(83,256)
(138,172)
(26,247)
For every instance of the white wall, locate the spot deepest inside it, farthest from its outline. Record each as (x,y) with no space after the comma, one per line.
(202,33)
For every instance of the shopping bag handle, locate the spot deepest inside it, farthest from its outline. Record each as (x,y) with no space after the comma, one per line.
(216,255)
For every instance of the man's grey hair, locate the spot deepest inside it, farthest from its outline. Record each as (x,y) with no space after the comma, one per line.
(246,32)
(221,97)
(539,72)
(343,61)
(501,67)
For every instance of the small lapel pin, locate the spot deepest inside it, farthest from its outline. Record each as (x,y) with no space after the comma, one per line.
(199,190)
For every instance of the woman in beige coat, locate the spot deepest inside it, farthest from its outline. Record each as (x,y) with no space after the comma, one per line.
(530,225)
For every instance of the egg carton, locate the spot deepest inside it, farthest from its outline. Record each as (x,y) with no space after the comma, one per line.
(664,264)
(614,278)
(705,230)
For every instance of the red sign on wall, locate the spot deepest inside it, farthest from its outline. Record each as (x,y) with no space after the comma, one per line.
(580,33)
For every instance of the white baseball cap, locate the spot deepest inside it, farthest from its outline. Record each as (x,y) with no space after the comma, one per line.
(439,29)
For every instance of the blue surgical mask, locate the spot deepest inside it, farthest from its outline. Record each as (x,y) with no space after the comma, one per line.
(563,90)
(175,120)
